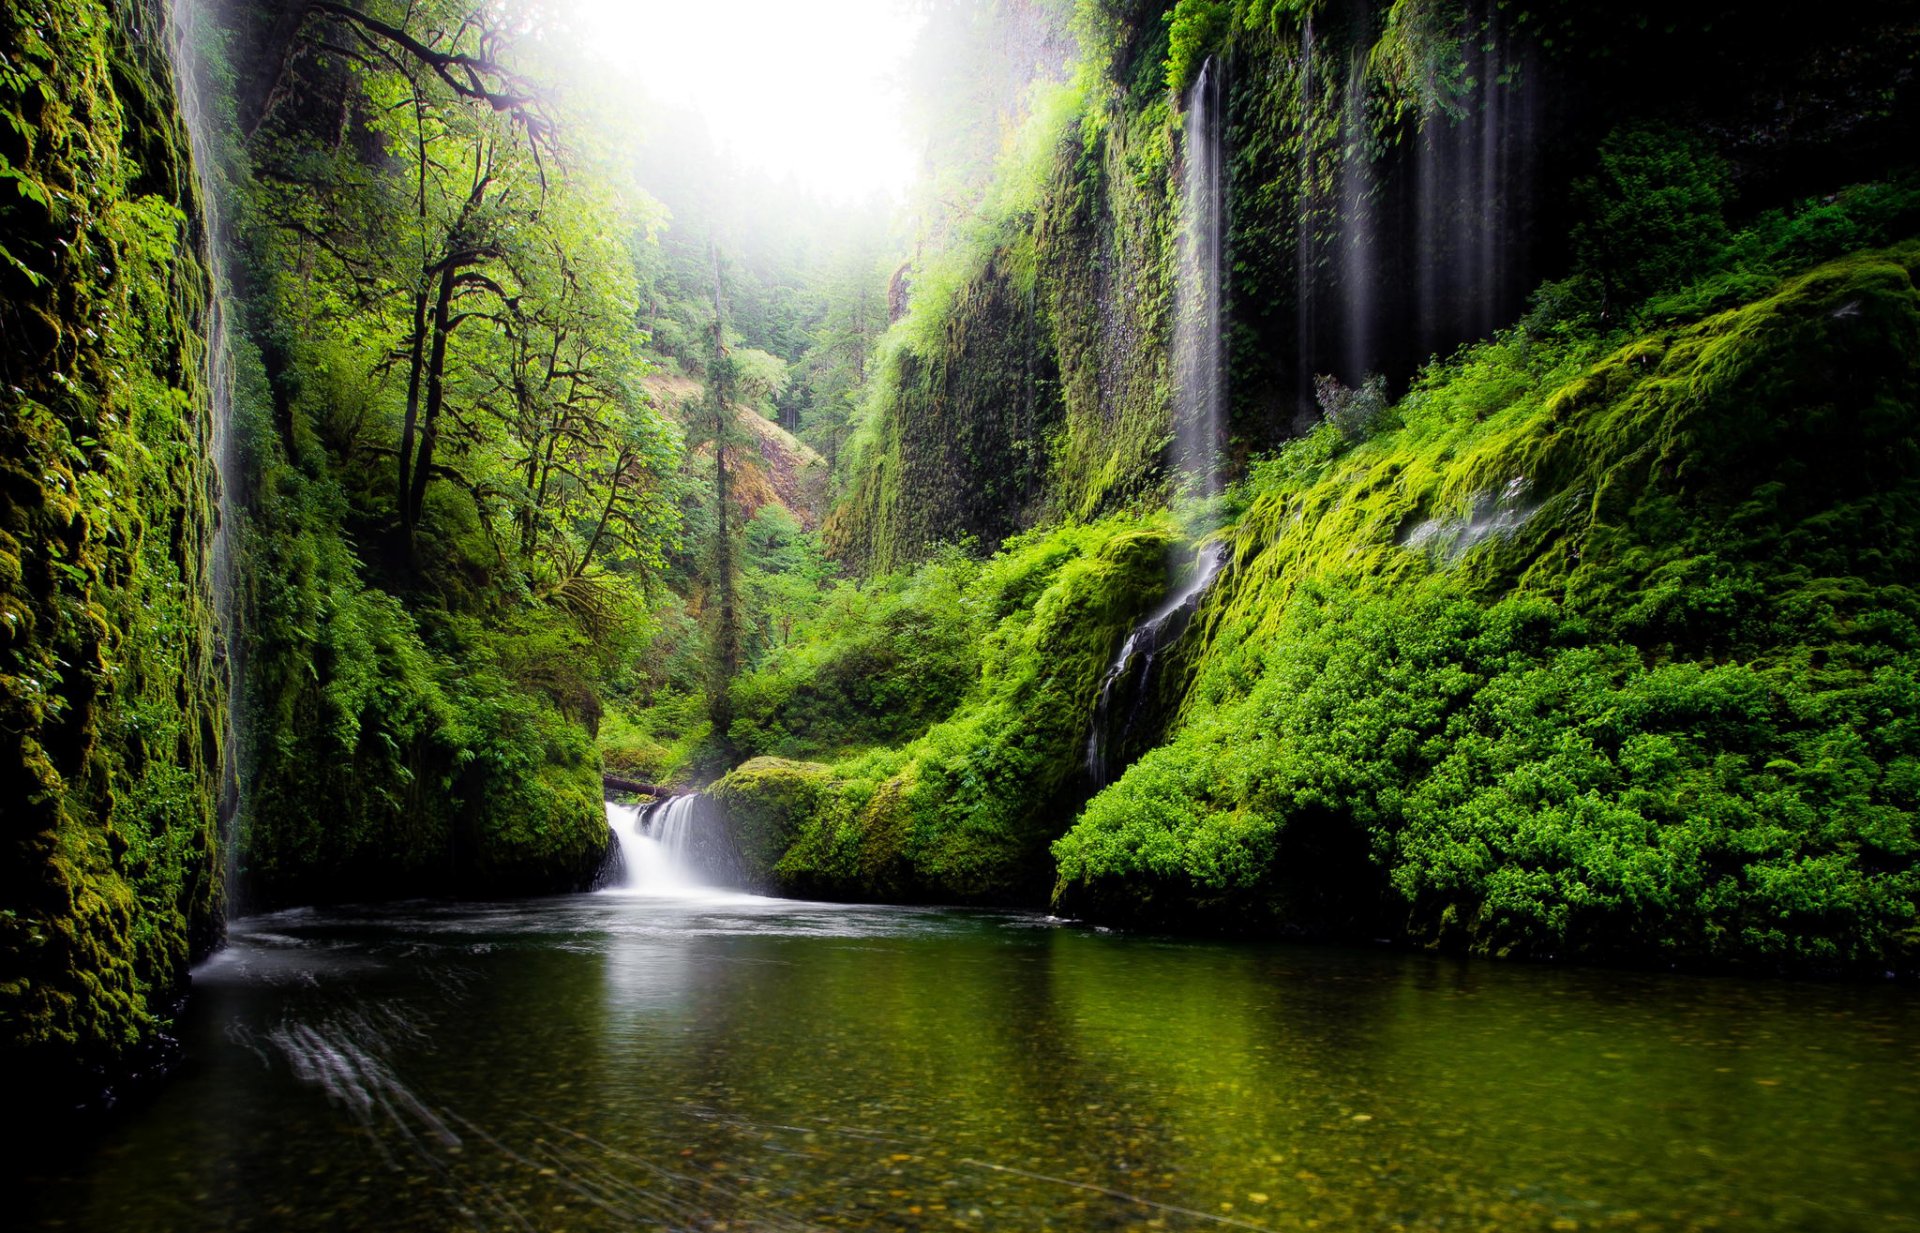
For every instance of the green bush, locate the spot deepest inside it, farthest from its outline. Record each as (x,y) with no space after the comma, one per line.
(1498,778)
(965,811)
(1653,213)
(879,663)
(1658,699)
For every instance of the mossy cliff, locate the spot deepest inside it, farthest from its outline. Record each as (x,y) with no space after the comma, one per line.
(112,692)
(1593,645)
(1400,177)
(965,811)
(1593,654)
(1590,635)
(1030,379)
(404,728)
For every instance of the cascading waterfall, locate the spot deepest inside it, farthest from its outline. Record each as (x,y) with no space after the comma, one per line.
(183,39)
(1413,227)
(1126,691)
(1199,354)
(1199,418)
(665,850)
(1358,258)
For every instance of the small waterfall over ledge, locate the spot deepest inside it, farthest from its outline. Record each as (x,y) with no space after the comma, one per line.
(1127,710)
(673,849)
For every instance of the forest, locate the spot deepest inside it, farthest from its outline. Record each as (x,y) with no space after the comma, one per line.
(1298,500)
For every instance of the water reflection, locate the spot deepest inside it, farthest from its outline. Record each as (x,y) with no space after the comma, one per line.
(612,1062)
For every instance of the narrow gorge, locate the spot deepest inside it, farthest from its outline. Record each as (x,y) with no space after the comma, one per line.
(986,614)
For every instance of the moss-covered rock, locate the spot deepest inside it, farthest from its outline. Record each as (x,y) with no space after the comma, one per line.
(112,694)
(965,811)
(765,802)
(1604,650)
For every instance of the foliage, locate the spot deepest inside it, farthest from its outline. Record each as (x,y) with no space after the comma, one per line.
(965,810)
(1354,413)
(1666,708)
(454,485)
(873,663)
(112,690)
(1196,29)
(1653,214)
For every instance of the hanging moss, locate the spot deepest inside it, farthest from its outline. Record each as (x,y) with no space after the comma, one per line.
(112,696)
(1040,389)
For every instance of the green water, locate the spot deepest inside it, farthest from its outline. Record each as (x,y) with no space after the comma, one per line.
(614,1062)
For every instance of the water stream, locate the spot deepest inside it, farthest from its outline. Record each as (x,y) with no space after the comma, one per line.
(672,849)
(184,36)
(1125,714)
(617,1062)
(1199,353)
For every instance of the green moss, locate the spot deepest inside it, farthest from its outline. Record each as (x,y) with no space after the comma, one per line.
(965,811)
(767,802)
(1595,730)
(112,699)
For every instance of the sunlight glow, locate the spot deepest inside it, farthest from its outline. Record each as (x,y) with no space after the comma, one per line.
(795,88)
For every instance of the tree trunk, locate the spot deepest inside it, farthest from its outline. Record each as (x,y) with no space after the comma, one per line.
(727,634)
(436,397)
(403,493)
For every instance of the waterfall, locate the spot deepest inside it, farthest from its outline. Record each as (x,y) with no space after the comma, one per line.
(1472,176)
(1125,707)
(1413,225)
(1199,354)
(1356,251)
(669,850)
(184,38)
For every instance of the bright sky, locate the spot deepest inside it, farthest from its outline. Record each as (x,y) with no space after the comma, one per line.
(807,88)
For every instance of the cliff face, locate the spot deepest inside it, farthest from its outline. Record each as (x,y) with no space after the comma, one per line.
(1596,652)
(1399,178)
(1567,607)
(112,689)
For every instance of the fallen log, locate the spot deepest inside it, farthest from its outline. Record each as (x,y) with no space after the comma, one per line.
(614,783)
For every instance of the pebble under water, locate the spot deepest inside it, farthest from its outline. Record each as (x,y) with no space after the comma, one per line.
(627,1062)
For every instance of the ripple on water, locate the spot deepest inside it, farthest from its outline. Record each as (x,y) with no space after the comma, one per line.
(605,1062)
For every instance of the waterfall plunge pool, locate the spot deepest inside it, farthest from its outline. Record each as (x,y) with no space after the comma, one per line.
(713,1061)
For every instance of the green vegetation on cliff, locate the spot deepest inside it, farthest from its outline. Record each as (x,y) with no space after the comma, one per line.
(1029,380)
(1597,642)
(1584,656)
(112,698)
(1599,646)
(453,483)
(965,810)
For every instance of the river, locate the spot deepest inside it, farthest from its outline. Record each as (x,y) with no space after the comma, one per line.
(712,1061)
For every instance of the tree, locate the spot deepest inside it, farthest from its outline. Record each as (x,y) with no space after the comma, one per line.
(721,428)
(446,201)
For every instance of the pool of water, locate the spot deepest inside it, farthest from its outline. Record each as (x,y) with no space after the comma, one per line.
(714,1062)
